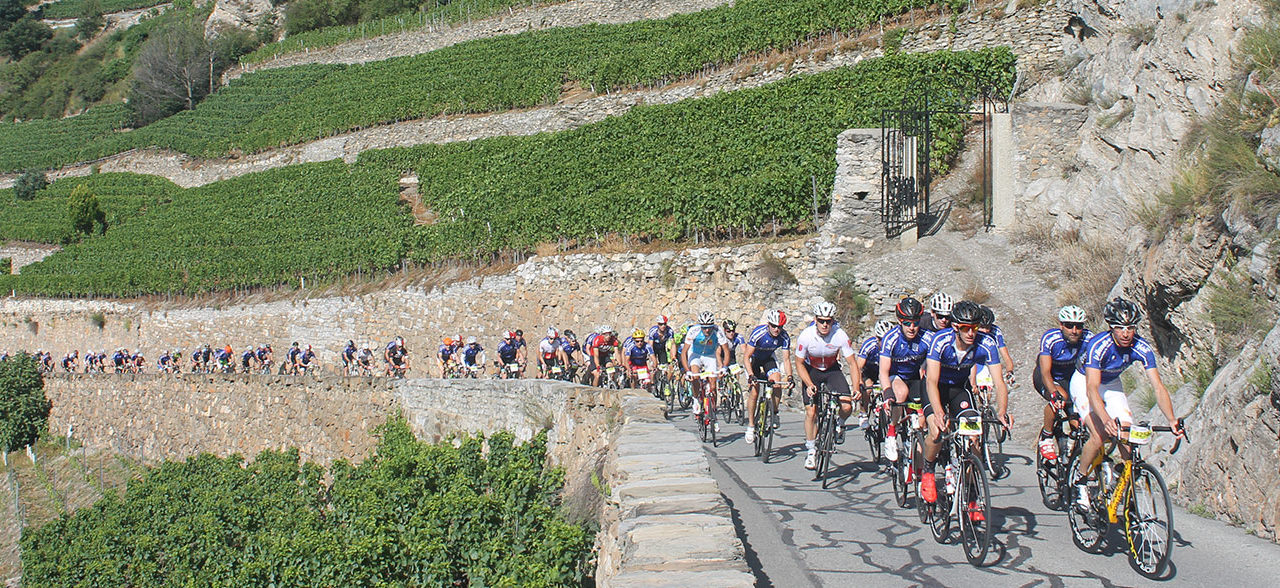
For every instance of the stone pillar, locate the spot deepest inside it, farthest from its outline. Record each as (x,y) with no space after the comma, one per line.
(1003,172)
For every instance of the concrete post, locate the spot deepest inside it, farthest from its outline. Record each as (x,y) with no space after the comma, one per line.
(1004,201)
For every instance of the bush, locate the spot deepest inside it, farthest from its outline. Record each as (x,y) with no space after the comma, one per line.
(1234,310)
(28,184)
(6,265)
(853,306)
(24,410)
(84,214)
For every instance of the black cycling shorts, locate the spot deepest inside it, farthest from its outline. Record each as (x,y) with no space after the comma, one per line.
(870,371)
(833,378)
(1047,393)
(915,391)
(660,350)
(954,397)
(760,368)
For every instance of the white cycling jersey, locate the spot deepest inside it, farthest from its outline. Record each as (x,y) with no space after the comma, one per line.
(823,352)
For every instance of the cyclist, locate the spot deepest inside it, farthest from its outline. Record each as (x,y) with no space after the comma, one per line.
(120,360)
(939,315)
(990,328)
(307,361)
(291,359)
(509,353)
(572,351)
(137,361)
(264,357)
(1056,361)
(473,355)
(223,358)
(164,364)
(819,349)
(446,355)
(868,362)
(396,356)
(522,351)
(247,359)
(349,358)
(760,360)
(601,347)
(551,352)
(364,361)
(1096,388)
(659,334)
(70,360)
(197,361)
(902,354)
(639,355)
(953,354)
(677,342)
(705,350)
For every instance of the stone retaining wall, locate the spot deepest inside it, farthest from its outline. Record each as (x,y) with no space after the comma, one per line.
(21,254)
(663,521)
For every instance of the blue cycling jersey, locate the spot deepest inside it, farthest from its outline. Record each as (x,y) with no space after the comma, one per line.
(1102,353)
(638,354)
(570,348)
(957,366)
(704,344)
(905,356)
(446,351)
(470,352)
(869,351)
(1061,354)
(766,344)
(245,358)
(660,334)
(998,335)
(507,351)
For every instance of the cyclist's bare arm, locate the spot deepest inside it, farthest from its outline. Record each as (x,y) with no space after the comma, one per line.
(1045,365)
(1002,393)
(1162,397)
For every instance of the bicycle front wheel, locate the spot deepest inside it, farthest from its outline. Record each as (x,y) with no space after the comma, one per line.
(1149,522)
(1088,525)
(975,511)
(767,429)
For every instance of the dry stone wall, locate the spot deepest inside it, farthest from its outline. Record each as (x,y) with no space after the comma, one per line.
(22,254)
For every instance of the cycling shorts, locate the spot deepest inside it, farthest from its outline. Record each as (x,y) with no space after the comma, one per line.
(1046,392)
(870,371)
(833,378)
(707,363)
(660,350)
(638,363)
(915,391)
(762,369)
(954,397)
(1113,398)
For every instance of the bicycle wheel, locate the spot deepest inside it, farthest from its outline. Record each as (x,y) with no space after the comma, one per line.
(771,415)
(875,438)
(901,488)
(686,394)
(1149,522)
(975,511)
(924,509)
(1047,477)
(826,439)
(1088,527)
(762,416)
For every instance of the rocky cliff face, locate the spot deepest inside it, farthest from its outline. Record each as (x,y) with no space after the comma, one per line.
(238,14)
(1145,69)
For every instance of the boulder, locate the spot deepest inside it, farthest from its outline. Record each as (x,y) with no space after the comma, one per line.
(237,14)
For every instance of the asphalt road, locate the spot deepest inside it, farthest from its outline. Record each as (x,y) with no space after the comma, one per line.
(854,534)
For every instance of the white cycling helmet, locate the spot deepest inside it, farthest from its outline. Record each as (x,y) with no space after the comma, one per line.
(552,333)
(824,309)
(661,320)
(1071,314)
(941,304)
(706,318)
(882,328)
(606,330)
(471,340)
(775,317)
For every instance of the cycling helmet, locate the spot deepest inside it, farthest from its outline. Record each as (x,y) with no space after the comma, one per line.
(824,309)
(776,317)
(966,312)
(295,344)
(448,340)
(638,335)
(552,333)
(941,304)
(1121,313)
(882,328)
(1071,314)
(248,350)
(988,316)
(508,335)
(661,320)
(569,333)
(351,343)
(399,341)
(909,309)
(729,325)
(607,330)
(308,348)
(471,340)
(519,332)
(706,318)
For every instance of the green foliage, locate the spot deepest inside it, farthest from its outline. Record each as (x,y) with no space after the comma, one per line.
(44,144)
(121,196)
(1234,310)
(6,265)
(25,36)
(748,157)
(10,12)
(318,221)
(77,8)
(1262,377)
(853,306)
(28,184)
(891,42)
(774,270)
(84,214)
(411,514)
(306,22)
(24,410)
(91,19)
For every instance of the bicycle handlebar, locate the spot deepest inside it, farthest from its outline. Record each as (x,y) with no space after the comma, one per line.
(1177,441)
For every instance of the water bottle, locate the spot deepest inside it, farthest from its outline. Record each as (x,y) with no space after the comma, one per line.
(951,479)
(1108,475)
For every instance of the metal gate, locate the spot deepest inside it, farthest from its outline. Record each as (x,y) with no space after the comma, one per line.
(906,173)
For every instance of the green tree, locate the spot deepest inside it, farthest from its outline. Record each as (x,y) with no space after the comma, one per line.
(90,21)
(24,409)
(10,12)
(28,184)
(84,213)
(25,36)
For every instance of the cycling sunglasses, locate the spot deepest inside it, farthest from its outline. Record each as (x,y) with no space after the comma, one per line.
(774,326)
(909,323)
(824,321)
(1073,326)
(964,327)
(1125,327)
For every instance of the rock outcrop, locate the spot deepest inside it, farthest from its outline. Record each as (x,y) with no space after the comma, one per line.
(238,14)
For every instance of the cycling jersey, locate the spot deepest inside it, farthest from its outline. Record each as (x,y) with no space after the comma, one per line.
(195,357)
(1101,352)
(446,352)
(293,354)
(869,352)
(638,355)
(704,344)
(473,354)
(570,348)
(823,353)
(660,334)
(905,356)
(734,342)
(681,334)
(1062,354)
(223,356)
(603,343)
(766,344)
(308,357)
(262,354)
(590,339)
(349,353)
(957,366)
(998,335)
(507,351)
(245,358)
(549,347)
(118,359)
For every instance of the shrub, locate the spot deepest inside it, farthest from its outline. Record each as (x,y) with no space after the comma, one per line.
(97,319)
(28,184)
(24,409)
(84,214)
(6,265)
(1233,309)
(853,306)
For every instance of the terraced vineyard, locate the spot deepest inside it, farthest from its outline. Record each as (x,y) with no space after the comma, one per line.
(44,219)
(480,76)
(45,143)
(738,159)
(73,8)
